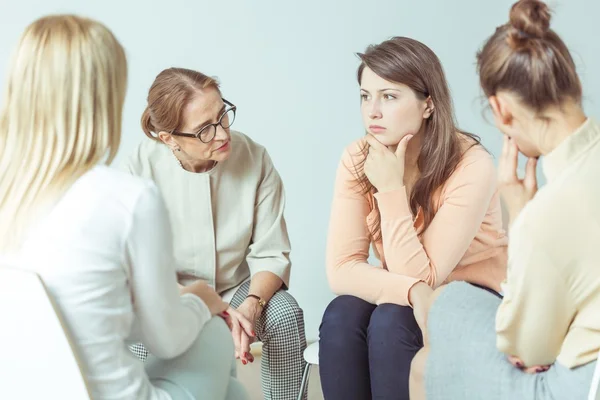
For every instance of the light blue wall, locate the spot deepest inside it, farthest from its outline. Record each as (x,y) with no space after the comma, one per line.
(290,69)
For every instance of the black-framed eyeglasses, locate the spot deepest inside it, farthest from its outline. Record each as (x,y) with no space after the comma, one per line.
(208,132)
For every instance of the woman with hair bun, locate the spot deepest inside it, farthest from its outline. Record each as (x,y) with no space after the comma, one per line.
(541,339)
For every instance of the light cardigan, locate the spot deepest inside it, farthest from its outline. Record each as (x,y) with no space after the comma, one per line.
(551,308)
(465,240)
(228,222)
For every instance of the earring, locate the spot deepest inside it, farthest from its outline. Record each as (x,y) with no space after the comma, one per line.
(178,149)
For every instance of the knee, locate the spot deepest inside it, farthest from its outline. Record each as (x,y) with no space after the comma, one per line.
(344,314)
(215,326)
(285,315)
(434,296)
(417,374)
(393,318)
(216,335)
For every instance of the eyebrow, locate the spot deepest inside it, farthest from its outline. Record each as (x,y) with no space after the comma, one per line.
(205,123)
(382,90)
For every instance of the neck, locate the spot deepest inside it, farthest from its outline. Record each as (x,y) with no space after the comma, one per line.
(192,165)
(562,123)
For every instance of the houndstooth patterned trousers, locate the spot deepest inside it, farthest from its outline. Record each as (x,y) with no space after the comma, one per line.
(281,330)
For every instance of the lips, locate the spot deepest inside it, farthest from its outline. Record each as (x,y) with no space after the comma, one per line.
(376,128)
(224,146)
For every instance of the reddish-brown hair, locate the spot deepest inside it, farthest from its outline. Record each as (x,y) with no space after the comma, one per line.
(171,91)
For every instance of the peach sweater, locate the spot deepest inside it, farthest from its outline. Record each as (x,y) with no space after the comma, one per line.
(465,240)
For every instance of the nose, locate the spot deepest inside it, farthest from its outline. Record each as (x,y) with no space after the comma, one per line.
(375,110)
(222,133)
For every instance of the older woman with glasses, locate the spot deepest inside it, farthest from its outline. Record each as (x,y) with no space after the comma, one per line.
(226,202)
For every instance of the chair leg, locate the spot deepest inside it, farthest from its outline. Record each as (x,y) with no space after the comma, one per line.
(304,384)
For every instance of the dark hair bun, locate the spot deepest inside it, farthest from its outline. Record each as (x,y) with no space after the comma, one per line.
(531,17)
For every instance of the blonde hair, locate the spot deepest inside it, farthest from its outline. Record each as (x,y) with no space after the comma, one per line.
(60,115)
(170,92)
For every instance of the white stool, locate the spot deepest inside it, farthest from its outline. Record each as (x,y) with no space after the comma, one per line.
(311,356)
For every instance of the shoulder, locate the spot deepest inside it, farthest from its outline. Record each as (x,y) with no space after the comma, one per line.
(349,177)
(147,153)
(244,145)
(248,153)
(354,154)
(149,148)
(475,154)
(475,174)
(115,187)
(476,163)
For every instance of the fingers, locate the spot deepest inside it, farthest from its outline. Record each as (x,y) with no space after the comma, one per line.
(375,144)
(537,369)
(502,161)
(530,180)
(244,348)
(247,326)
(505,142)
(367,166)
(236,332)
(512,160)
(516,361)
(507,167)
(401,149)
(227,318)
(222,307)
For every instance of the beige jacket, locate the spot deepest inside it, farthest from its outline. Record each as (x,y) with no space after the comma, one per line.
(228,222)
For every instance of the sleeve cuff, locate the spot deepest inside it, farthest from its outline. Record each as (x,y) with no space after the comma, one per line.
(282,271)
(393,204)
(198,306)
(397,289)
(410,288)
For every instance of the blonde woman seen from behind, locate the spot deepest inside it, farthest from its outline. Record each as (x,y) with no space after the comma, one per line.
(84,228)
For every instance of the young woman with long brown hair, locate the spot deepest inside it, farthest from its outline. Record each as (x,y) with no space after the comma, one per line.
(423,194)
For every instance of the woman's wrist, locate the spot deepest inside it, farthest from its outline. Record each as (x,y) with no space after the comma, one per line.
(258,300)
(418,293)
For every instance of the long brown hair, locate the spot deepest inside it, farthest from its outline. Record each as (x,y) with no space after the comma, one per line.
(410,62)
(170,92)
(527,58)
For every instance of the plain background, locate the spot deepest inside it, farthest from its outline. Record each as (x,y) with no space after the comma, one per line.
(290,67)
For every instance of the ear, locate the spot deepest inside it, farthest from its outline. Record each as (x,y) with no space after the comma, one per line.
(168,139)
(429,107)
(501,110)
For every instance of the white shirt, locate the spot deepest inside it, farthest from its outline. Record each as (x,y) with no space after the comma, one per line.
(228,223)
(105,254)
